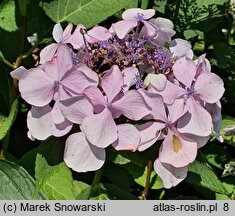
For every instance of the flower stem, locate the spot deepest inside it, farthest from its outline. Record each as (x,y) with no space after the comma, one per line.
(177,7)
(96,181)
(147,181)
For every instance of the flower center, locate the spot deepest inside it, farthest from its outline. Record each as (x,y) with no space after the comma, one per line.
(56,83)
(190,91)
(140,16)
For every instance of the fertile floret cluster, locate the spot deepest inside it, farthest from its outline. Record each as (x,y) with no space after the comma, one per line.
(134,70)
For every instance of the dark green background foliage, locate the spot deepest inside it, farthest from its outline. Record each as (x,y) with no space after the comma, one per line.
(35,170)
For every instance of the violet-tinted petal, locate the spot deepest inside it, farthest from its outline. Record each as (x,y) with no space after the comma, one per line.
(96,96)
(132,105)
(39,121)
(177,150)
(67,32)
(59,130)
(129,75)
(36,87)
(181,48)
(112,82)
(155,101)
(128,138)
(56,114)
(149,134)
(170,175)
(48,52)
(123,27)
(184,70)
(64,60)
(209,87)
(197,121)
(79,78)
(133,13)
(18,72)
(82,156)
(76,39)
(170,93)
(176,110)
(98,33)
(150,29)
(75,109)
(100,129)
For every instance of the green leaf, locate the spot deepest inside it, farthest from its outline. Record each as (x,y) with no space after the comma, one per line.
(6,122)
(81,189)
(115,192)
(228,130)
(140,173)
(225,55)
(201,175)
(144,4)
(160,5)
(52,149)
(87,12)
(7,15)
(16,183)
(56,181)
(216,155)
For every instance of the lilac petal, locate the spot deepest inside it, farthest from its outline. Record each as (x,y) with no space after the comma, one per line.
(132,105)
(96,96)
(59,130)
(56,114)
(155,101)
(123,27)
(39,121)
(177,150)
(128,138)
(149,134)
(98,33)
(51,69)
(112,82)
(164,30)
(163,23)
(158,81)
(181,48)
(64,60)
(100,129)
(129,75)
(36,87)
(82,156)
(176,110)
(75,109)
(134,12)
(76,39)
(151,30)
(200,140)
(18,72)
(48,52)
(170,175)
(57,32)
(184,70)
(67,32)
(78,79)
(197,121)
(170,93)
(203,63)
(215,112)
(209,87)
